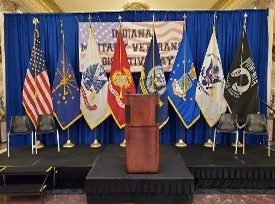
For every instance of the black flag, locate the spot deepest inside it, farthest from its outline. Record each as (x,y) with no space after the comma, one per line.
(242,87)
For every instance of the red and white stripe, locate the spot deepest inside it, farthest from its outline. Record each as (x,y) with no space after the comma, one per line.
(37,95)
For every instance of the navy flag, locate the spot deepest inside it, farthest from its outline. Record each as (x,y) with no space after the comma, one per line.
(181,87)
(152,79)
(66,96)
(242,87)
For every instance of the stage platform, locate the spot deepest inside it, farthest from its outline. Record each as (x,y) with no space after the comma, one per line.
(219,169)
(72,165)
(108,182)
(224,169)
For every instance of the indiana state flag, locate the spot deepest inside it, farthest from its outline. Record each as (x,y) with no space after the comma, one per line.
(152,79)
(181,87)
(94,87)
(210,87)
(65,92)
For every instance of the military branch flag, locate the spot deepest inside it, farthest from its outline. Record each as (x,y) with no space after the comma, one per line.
(242,87)
(37,99)
(152,79)
(181,87)
(94,86)
(65,91)
(210,87)
(120,82)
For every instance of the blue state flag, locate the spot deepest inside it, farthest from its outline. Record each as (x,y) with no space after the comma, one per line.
(66,95)
(152,79)
(181,87)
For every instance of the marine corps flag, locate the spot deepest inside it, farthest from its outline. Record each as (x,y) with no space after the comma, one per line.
(182,84)
(120,82)
(242,88)
(94,86)
(210,87)
(65,91)
(152,79)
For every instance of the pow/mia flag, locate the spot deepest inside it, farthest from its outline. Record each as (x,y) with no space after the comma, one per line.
(242,88)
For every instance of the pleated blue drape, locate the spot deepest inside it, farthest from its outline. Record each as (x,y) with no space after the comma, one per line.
(18,33)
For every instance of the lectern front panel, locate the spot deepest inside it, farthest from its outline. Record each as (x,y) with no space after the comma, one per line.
(142,133)
(141,110)
(142,149)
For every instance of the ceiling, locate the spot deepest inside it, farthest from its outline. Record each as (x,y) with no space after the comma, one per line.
(117,5)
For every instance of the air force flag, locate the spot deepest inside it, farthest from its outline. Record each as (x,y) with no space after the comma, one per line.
(182,84)
(210,87)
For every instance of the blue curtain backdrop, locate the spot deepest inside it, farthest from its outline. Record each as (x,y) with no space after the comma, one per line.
(18,33)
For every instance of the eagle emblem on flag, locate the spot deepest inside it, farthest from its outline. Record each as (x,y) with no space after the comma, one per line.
(186,80)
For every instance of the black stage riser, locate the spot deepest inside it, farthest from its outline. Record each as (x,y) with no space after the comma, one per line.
(219,169)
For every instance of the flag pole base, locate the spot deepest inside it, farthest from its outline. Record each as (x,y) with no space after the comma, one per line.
(68,144)
(123,144)
(181,144)
(239,144)
(95,144)
(38,144)
(208,144)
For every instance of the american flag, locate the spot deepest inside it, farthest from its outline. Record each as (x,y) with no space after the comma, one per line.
(37,99)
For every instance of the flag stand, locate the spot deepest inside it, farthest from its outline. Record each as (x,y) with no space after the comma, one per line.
(39,145)
(239,144)
(95,144)
(68,144)
(123,144)
(181,143)
(209,143)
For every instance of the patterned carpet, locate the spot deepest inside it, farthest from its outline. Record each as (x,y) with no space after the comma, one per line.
(206,196)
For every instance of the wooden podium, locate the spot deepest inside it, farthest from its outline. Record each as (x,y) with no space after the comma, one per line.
(142,133)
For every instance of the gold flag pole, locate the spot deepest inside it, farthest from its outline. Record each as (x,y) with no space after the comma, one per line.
(239,144)
(153,56)
(180,143)
(120,93)
(153,53)
(91,32)
(209,143)
(95,144)
(68,144)
(38,144)
(123,144)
